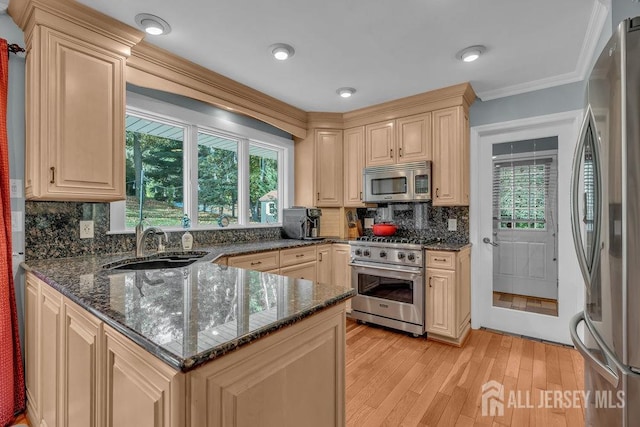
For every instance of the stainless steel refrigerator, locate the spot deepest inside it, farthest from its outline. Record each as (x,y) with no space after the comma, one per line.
(606,231)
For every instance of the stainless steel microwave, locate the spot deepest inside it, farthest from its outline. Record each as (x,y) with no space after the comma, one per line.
(408,182)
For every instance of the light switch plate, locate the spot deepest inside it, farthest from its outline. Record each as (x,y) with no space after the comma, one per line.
(86,229)
(453,224)
(15,188)
(17,221)
(368,223)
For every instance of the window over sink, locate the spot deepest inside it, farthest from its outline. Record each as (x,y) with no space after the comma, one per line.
(182,161)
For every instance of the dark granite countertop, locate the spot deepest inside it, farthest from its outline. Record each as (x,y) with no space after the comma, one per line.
(190,315)
(444,246)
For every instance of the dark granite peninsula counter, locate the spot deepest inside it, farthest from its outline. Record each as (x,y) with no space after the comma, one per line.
(188,318)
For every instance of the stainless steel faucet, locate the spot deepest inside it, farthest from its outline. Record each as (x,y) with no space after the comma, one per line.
(141,235)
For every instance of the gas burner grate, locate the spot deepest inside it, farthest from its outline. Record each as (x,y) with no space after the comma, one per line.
(401,240)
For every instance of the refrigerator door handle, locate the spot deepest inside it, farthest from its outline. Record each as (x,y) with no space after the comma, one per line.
(605,371)
(585,260)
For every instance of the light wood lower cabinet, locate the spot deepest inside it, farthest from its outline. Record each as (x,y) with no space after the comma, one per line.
(263,261)
(81,372)
(140,389)
(293,379)
(324,265)
(301,271)
(341,268)
(448,295)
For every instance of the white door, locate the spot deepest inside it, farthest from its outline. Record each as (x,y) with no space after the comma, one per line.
(564,126)
(524,218)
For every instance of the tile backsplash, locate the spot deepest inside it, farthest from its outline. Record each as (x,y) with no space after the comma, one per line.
(422,220)
(52,230)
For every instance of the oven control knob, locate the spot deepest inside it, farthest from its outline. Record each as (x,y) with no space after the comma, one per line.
(400,255)
(411,257)
(366,252)
(383,254)
(358,252)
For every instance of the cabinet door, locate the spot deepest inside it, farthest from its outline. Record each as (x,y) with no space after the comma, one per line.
(32,347)
(82,145)
(440,302)
(450,158)
(263,261)
(82,373)
(463,289)
(380,143)
(329,168)
(324,273)
(49,357)
(353,165)
(140,389)
(341,268)
(301,271)
(414,138)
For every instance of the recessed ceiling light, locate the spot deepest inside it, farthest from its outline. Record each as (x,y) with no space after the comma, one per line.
(152,24)
(282,51)
(346,92)
(471,53)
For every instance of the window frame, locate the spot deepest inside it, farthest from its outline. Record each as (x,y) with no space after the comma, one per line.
(194,122)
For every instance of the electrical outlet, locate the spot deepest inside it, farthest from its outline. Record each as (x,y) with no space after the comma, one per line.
(86,229)
(368,223)
(453,224)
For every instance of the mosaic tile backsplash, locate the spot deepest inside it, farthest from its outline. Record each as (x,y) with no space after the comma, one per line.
(421,220)
(52,230)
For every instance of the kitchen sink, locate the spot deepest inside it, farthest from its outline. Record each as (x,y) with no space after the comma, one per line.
(160,261)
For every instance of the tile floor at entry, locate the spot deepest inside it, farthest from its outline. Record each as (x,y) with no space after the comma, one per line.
(526,303)
(394,379)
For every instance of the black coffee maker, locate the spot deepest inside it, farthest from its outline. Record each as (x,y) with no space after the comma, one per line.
(301,223)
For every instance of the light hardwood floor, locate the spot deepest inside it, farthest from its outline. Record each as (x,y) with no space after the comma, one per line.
(394,379)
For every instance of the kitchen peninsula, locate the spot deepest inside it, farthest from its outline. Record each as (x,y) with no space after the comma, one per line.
(201,345)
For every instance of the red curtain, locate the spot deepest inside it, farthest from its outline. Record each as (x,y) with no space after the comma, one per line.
(12,394)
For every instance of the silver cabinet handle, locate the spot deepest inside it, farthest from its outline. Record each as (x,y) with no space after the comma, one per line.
(488,241)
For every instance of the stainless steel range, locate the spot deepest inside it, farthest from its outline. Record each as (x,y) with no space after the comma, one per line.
(388,276)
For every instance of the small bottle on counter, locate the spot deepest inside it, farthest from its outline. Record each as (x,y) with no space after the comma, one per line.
(187,238)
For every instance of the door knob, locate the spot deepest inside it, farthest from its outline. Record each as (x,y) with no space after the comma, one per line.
(488,241)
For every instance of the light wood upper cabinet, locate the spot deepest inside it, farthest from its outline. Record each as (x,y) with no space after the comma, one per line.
(414,138)
(328,168)
(399,141)
(448,295)
(75,105)
(380,143)
(450,157)
(354,162)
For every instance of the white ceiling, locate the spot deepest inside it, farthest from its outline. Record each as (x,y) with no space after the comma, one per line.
(386,49)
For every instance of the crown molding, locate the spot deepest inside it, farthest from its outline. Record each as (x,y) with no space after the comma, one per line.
(460,94)
(151,66)
(595,28)
(325,120)
(27,13)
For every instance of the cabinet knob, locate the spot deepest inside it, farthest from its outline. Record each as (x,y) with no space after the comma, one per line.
(320,256)
(430,282)
(256,263)
(318,196)
(391,152)
(437,192)
(53,175)
(400,151)
(361,195)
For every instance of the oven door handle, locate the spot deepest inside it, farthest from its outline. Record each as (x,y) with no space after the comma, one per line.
(415,270)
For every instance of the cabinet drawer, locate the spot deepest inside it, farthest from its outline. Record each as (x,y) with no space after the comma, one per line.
(261,262)
(302,271)
(439,259)
(297,255)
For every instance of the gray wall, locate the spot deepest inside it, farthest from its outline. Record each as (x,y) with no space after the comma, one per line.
(15,133)
(623,9)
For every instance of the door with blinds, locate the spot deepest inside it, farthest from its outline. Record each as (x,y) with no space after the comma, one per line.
(525,200)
